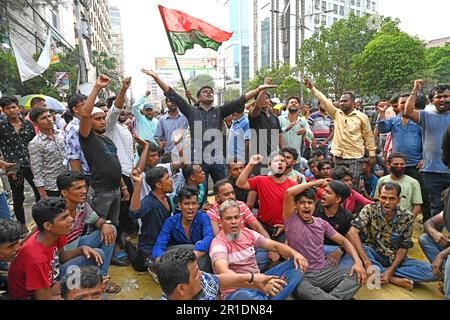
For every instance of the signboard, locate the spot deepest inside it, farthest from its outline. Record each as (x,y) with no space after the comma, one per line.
(186,64)
(62,80)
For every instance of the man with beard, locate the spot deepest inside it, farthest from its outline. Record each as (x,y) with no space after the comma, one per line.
(295,127)
(107,186)
(171,128)
(352,134)
(434,124)
(291,156)
(146,122)
(322,127)
(411,197)
(233,251)
(270,190)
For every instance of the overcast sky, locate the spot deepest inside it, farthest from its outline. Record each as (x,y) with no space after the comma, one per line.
(145,38)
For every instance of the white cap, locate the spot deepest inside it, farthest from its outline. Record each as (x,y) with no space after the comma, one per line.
(96,110)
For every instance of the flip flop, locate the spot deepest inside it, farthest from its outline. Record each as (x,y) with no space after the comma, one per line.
(112,288)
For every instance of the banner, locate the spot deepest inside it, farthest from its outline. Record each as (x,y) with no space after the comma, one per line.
(186,64)
(28,67)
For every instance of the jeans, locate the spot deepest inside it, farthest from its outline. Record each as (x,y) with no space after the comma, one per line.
(346,260)
(17,188)
(4,208)
(262,259)
(413,172)
(106,204)
(93,240)
(287,269)
(79,261)
(411,269)
(447,280)
(217,172)
(435,184)
(430,247)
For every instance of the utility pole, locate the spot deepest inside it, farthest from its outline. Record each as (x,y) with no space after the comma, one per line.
(83,67)
(302,38)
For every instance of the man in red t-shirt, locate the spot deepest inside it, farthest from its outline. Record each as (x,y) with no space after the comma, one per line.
(270,190)
(36,271)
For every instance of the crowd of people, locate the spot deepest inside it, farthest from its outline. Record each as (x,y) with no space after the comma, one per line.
(307,204)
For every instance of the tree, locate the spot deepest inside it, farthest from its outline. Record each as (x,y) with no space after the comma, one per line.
(391,61)
(107,65)
(231,94)
(328,56)
(438,60)
(199,81)
(282,75)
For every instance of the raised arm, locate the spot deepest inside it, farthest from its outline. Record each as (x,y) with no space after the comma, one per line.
(324,101)
(85,121)
(242,181)
(260,101)
(164,87)
(120,100)
(143,158)
(289,203)
(410,111)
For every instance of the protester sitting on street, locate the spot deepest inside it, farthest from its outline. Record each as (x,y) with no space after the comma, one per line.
(72,186)
(191,229)
(367,181)
(42,261)
(436,246)
(233,252)
(388,229)
(223,191)
(270,190)
(194,177)
(355,202)
(180,278)
(411,196)
(306,234)
(153,211)
(89,287)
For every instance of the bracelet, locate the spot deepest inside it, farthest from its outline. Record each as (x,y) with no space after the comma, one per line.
(123,188)
(252,277)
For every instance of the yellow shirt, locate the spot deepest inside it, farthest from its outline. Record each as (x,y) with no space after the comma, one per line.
(352,132)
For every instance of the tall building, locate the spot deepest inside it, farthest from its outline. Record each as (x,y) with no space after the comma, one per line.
(117,47)
(100,26)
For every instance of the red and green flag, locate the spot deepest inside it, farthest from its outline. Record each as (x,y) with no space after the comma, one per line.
(184,31)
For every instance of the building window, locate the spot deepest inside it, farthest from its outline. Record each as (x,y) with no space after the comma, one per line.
(324,20)
(335,20)
(317,4)
(374,5)
(341,10)
(335,9)
(353,2)
(368,4)
(358,13)
(54,20)
(316,19)
(358,3)
(324,6)
(316,30)
(352,11)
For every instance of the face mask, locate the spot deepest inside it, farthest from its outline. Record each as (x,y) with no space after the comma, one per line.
(397,171)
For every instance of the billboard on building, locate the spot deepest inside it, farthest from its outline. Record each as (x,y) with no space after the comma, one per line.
(186,64)
(62,80)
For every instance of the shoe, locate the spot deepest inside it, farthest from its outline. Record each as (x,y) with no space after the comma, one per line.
(120,262)
(112,288)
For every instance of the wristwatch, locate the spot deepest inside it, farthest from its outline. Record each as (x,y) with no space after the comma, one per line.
(108,222)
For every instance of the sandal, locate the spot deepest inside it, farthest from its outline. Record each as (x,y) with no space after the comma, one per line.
(112,288)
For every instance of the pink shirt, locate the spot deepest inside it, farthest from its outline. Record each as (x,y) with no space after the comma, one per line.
(355,199)
(240,254)
(247,217)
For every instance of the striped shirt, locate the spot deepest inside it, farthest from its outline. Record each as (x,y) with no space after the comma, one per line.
(247,217)
(240,253)
(84,214)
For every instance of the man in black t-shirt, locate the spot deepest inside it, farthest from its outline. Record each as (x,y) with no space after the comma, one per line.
(331,211)
(107,187)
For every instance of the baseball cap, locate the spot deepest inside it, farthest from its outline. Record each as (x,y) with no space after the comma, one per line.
(148,106)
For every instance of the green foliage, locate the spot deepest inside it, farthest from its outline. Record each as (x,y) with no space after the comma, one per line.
(107,65)
(231,94)
(391,61)
(329,55)
(282,75)
(438,60)
(194,84)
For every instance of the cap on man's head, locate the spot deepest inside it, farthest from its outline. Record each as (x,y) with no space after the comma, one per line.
(205,87)
(148,106)
(278,106)
(96,110)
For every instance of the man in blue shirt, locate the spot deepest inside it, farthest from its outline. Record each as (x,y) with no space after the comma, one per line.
(239,138)
(145,121)
(154,209)
(434,125)
(190,229)
(407,139)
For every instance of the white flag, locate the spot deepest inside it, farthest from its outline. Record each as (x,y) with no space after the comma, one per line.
(28,67)
(46,55)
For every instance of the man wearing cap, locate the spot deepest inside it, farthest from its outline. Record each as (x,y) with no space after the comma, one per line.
(107,186)
(146,122)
